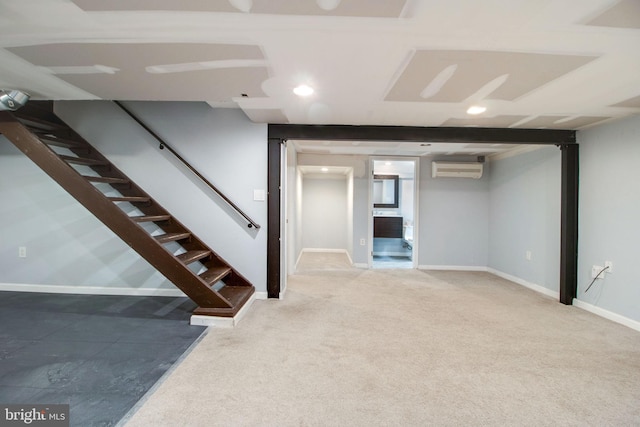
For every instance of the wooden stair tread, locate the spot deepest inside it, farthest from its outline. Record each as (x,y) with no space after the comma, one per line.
(38,123)
(215,274)
(237,296)
(218,291)
(83,161)
(151,218)
(131,199)
(171,237)
(192,256)
(61,142)
(107,179)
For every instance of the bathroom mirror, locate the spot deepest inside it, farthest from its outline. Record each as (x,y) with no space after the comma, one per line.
(385,191)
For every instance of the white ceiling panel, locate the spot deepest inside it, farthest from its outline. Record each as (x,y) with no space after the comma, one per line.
(543,63)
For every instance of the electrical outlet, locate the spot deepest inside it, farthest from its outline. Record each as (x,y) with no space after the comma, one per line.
(22,252)
(610,265)
(595,270)
(363,242)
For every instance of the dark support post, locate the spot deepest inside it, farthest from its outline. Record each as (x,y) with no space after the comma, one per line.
(565,139)
(273,213)
(569,224)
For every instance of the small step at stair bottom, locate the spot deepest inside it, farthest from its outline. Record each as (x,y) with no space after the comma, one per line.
(236,295)
(203,319)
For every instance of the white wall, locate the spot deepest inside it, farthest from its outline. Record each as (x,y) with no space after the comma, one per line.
(454,218)
(453,213)
(324,213)
(524,215)
(360,203)
(223,144)
(66,245)
(609,211)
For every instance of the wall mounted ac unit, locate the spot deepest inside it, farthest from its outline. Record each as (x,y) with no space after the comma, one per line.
(456,170)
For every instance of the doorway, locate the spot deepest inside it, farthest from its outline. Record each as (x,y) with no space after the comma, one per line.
(393,221)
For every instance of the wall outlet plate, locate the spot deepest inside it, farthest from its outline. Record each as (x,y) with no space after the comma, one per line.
(610,265)
(595,270)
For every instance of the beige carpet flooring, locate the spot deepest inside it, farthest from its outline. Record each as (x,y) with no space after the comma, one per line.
(351,347)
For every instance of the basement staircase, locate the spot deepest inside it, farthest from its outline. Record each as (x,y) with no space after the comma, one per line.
(127,210)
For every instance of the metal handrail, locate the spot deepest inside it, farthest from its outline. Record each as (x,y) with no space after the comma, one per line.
(250,223)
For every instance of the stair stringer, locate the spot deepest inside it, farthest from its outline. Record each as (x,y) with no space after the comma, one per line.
(210,301)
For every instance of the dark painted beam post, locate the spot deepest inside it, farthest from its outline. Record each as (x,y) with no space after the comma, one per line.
(273,214)
(565,139)
(569,224)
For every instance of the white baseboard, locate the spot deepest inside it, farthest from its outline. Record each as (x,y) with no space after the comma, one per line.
(223,322)
(348,256)
(325,250)
(453,267)
(361,265)
(538,288)
(321,250)
(90,290)
(519,281)
(614,317)
(101,290)
(261,295)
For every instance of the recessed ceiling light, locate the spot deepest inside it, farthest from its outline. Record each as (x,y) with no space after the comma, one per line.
(476,109)
(328,4)
(242,5)
(303,90)
(325,169)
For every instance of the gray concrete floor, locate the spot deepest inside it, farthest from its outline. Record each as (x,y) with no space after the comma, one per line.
(99,354)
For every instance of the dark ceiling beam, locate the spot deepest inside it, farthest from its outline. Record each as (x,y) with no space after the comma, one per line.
(422,134)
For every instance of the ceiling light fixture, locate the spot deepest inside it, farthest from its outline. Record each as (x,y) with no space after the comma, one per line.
(303,90)
(242,5)
(476,109)
(328,4)
(325,169)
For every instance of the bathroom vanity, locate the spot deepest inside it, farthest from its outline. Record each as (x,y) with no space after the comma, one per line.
(387,226)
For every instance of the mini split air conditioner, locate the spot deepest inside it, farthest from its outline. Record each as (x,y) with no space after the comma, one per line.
(456,170)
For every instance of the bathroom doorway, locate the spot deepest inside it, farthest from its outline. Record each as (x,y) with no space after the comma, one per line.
(393,223)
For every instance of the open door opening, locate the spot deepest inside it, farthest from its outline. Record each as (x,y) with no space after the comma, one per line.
(394,192)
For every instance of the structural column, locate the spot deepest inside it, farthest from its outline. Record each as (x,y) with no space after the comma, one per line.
(569,224)
(273,213)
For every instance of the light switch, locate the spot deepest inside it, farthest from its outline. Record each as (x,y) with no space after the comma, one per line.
(258,195)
